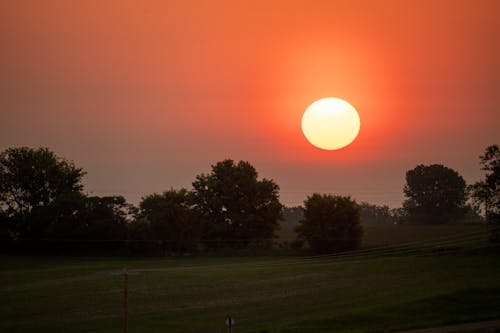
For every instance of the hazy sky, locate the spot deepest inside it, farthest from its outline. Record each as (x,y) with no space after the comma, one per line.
(144,95)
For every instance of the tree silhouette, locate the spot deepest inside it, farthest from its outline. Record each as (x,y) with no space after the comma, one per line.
(376,215)
(237,208)
(30,181)
(487,191)
(331,223)
(171,220)
(435,194)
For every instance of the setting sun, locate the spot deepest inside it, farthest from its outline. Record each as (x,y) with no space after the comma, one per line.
(330,123)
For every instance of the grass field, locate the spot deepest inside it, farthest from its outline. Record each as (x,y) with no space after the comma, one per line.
(358,293)
(398,234)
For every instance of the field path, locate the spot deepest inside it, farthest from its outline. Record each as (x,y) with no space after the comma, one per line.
(482,326)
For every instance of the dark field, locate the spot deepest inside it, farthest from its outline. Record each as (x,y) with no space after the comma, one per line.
(449,280)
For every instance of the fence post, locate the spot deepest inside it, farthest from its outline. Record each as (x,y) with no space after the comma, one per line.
(229,323)
(125,300)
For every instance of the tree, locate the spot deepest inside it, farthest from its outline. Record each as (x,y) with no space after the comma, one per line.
(104,218)
(237,208)
(435,194)
(399,215)
(80,222)
(30,181)
(376,215)
(139,237)
(62,219)
(4,229)
(331,223)
(171,220)
(487,192)
(292,216)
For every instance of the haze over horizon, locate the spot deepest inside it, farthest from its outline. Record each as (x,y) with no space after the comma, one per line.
(146,95)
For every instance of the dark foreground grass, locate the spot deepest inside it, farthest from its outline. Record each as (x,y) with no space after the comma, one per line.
(262,294)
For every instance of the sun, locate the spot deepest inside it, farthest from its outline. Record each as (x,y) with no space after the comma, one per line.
(330,123)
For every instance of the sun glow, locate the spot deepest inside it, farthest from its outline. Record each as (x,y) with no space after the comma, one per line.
(330,123)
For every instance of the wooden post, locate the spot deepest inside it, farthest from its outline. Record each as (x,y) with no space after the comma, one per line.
(125,300)
(229,323)
(125,273)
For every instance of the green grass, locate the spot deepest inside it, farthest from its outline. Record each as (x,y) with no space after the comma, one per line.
(262,294)
(375,236)
(397,234)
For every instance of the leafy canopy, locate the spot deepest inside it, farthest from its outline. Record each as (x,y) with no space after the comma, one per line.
(331,223)
(435,194)
(31,178)
(487,191)
(171,220)
(237,208)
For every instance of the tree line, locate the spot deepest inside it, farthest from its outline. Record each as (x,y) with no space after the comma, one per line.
(43,206)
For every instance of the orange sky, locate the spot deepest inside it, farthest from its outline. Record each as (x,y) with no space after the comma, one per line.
(144,95)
